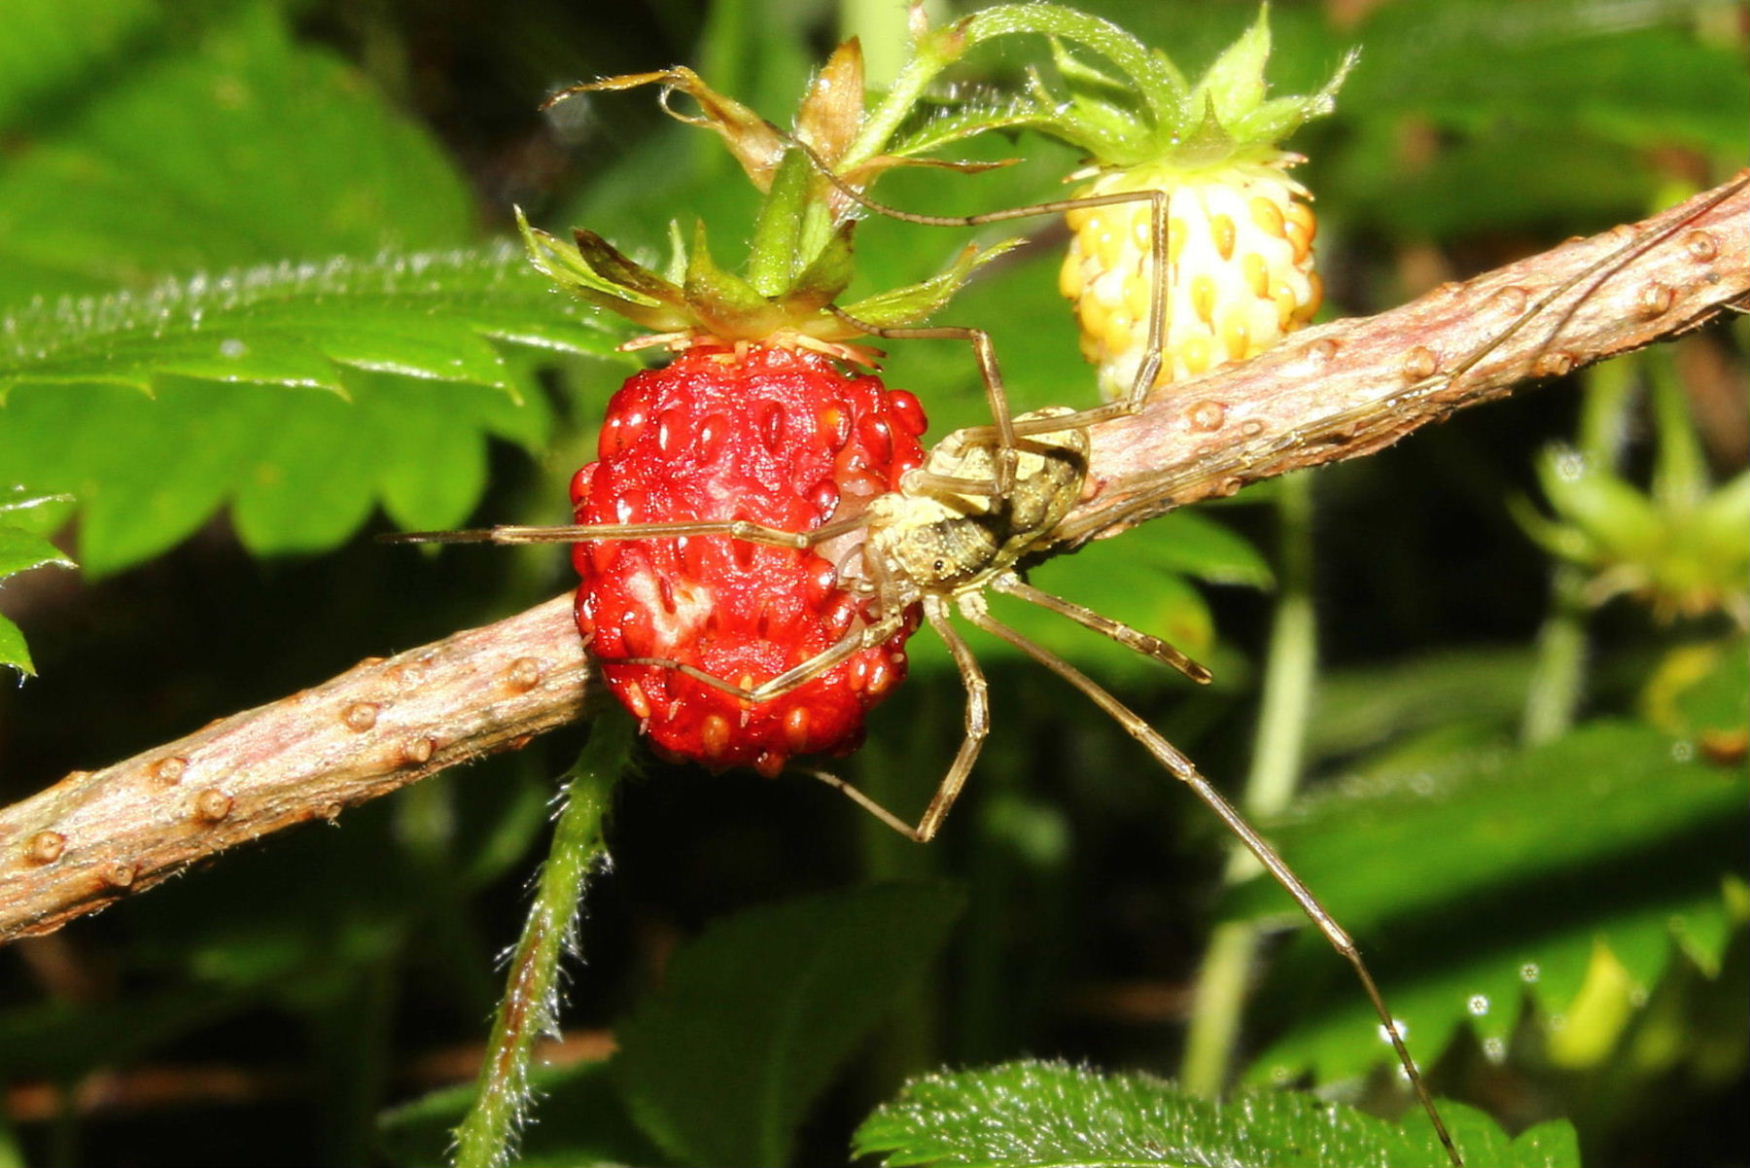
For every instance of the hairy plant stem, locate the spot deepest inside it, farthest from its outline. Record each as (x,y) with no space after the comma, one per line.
(530,1006)
(1276,763)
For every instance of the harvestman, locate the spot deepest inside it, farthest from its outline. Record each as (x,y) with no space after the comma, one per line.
(988,503)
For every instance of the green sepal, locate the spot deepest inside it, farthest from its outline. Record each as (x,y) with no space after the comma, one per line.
(596,272)
(1608,510)
(901,306)
(724,303)
(1723,521)
(1234,84)
(827,276)
(778,235)
(1145,112)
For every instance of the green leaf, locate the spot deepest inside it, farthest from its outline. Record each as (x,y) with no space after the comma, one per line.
(51,46)
(1038,1113)
(424,314)
(306,393)
(13,650)
(1358,709)
(719,1065)
(235,147)
(20,551)
(1505,873)
(1200,547)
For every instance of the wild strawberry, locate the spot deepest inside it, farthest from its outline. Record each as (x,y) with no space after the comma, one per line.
(1239,230)
(754,421)
(772,435)
(1239,267)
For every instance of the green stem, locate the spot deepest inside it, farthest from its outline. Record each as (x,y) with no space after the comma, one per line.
(1157,83)
(1558,675)
(531,994)
(1276,764)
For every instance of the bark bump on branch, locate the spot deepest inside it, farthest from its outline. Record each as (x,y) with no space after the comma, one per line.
(1337,391)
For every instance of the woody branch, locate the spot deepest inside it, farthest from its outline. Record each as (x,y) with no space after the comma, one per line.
(1338,391)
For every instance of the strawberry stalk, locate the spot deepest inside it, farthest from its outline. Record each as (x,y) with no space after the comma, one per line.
(529,1009)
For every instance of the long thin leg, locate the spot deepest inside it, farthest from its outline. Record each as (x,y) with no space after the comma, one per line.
(977,729)
(977,719)
(583,533)
(1143,383)
(791,679)
(973,607)
(1149,646)
(989,368)
(861,799)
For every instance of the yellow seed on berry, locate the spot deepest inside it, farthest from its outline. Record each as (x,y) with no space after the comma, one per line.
(1301,216)
(1194,354)
(1222,230)
(1070,281)
(714,735)
(1286,306)
(1267,216)
(1203,298)
(1236,338)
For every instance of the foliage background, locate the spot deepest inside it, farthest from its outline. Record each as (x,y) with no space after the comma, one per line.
(268,1009)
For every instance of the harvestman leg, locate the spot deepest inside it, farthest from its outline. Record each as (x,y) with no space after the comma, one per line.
(1159,204)
(791,679)
(775,687)
(977,730)
(1149,646)
(972,606)
(741,529)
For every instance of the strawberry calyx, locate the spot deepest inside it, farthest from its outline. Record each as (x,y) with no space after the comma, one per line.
(800,259)
(1128,104)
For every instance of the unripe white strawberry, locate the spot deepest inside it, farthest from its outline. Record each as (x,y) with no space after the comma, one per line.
(1239,231)
(1239,268)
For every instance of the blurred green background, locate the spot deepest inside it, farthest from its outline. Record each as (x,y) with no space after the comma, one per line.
(1525,800)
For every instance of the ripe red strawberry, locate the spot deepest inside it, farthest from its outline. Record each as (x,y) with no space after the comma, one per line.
(778,436)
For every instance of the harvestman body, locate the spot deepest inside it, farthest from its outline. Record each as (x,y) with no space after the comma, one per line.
(988,502)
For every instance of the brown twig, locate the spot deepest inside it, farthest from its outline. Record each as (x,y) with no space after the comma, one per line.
(98,835)
(1335,392)
(1353,387)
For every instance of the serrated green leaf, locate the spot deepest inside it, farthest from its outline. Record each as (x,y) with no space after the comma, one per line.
(429,452)
(720,1064)
(1505,873)
(20,551)
(1207,550)
(1358,709)
(1493,822)
(269,389)
(1036,1113)
(424,314)
(310,483)
(1122,580)
(13,650)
